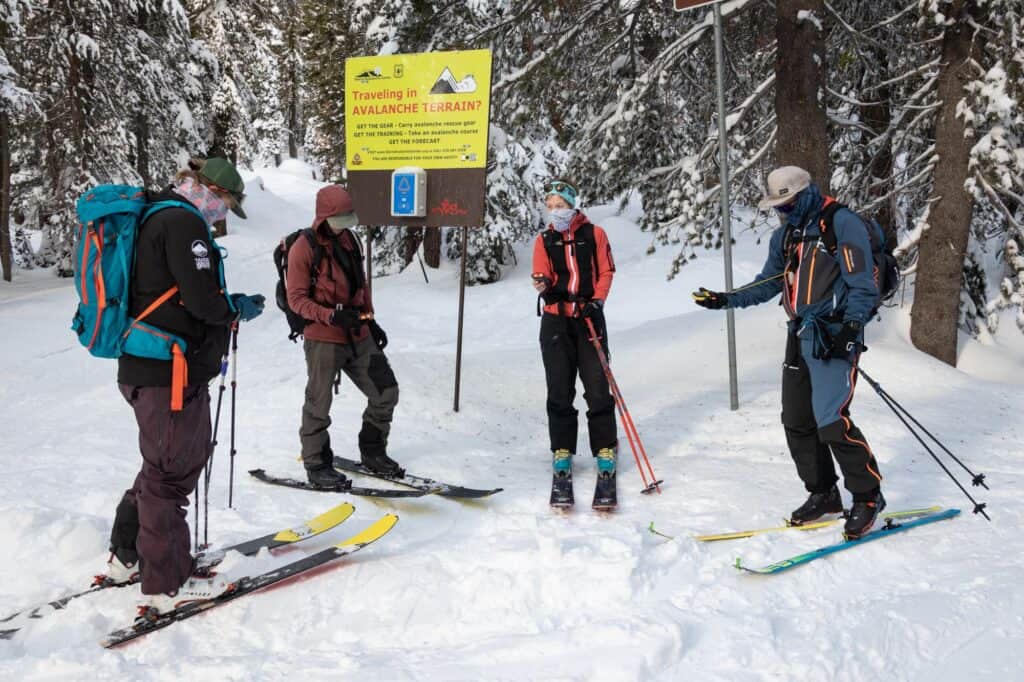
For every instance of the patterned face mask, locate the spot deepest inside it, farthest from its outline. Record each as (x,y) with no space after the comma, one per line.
(202,197)
(561,218)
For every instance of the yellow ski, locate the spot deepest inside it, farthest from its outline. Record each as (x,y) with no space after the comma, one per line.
(809,526)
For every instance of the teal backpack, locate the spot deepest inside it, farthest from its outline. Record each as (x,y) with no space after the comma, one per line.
(109,217)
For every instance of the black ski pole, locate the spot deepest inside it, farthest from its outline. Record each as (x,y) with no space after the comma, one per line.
(213,450)
(197,519)
(979,507)
(976,479)
(234,394)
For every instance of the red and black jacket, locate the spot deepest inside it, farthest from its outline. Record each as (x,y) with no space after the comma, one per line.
(577,262)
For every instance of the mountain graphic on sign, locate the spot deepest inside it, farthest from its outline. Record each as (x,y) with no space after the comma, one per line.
(447,85)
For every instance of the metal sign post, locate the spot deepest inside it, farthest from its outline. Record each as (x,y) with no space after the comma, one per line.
(417,133)
(723,163)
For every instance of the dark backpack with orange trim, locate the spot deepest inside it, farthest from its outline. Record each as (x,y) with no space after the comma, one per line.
(883,243)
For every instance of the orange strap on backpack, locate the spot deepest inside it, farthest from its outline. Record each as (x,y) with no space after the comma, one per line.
(179,368)
(179,378)
(828,200)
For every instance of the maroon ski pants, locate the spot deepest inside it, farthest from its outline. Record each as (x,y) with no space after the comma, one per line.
(151,519)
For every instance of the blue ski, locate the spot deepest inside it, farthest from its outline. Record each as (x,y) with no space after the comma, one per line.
(883,532)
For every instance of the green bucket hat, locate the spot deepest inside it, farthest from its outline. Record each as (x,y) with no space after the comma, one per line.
(224,175)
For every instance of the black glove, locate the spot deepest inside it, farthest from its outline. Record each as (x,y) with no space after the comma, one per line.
(346,318)
(379,337)
(592,307)
(713,300)
(846,343)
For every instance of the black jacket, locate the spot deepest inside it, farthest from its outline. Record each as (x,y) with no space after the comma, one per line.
(173,249)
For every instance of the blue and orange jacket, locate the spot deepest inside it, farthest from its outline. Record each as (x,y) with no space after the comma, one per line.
(578,263)
(817,285)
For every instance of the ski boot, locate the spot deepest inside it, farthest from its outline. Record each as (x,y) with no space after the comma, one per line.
(327,477)
(380,463)
(816,506)
(119,573)
(373,452)
(561,479)
(605,495)
(863,515)
(196,588)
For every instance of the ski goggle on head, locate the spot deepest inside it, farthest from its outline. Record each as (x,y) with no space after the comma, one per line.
(562,189)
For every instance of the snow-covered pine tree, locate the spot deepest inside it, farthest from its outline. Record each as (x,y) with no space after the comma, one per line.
(248,122)
(994,116)
(653,126)
(15,102)
(80,137)
(289,64)
(164,87)
(542,54)
(332,31)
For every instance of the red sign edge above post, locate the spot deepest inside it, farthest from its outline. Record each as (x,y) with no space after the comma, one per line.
(683,5)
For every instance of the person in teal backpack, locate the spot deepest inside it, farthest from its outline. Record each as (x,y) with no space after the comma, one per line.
(177,287)
(822,259)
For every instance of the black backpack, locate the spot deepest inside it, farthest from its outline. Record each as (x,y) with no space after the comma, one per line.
(349,265)
(883,243)
(296,323)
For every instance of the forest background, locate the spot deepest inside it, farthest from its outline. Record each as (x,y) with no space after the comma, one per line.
(908,111)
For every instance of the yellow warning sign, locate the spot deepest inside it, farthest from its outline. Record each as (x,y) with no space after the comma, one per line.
(429,110)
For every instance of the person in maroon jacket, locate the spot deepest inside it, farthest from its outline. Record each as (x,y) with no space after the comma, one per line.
(342,336)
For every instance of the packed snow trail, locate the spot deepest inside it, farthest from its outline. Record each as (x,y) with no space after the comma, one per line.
(504,588)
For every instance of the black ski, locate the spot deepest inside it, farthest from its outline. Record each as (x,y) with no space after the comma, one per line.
(347,487)
(561,490)
(288,536)
(418,482)
(606,497)
(249,584)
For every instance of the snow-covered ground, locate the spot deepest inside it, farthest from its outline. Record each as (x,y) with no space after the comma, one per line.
(505,589)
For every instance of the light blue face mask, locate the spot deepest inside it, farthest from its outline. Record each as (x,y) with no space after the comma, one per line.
(561,218)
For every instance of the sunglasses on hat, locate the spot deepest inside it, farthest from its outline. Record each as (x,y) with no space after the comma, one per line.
(557,187)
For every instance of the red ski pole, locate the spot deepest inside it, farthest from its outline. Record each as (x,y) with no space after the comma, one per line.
(627,419)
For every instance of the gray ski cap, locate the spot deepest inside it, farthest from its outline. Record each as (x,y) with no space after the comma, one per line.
(783,186)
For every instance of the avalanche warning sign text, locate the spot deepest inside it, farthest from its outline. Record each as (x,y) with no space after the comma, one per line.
(428,110)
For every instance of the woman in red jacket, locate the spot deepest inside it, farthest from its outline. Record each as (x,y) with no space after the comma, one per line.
(572,272)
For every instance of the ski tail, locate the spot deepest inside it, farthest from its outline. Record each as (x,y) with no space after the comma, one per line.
(249,584)
(332,518)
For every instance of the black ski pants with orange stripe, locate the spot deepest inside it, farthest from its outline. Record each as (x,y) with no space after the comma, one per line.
(816,396)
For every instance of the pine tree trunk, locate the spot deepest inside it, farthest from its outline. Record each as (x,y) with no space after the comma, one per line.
(799,90)
(142,149)
(141,123)
(878,116)
(432,246)
(935,314)
(411,242)
(6,261)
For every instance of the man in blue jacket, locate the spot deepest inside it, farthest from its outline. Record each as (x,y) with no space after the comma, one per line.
(829,291)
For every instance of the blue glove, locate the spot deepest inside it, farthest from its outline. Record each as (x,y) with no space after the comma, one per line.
(248,307)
